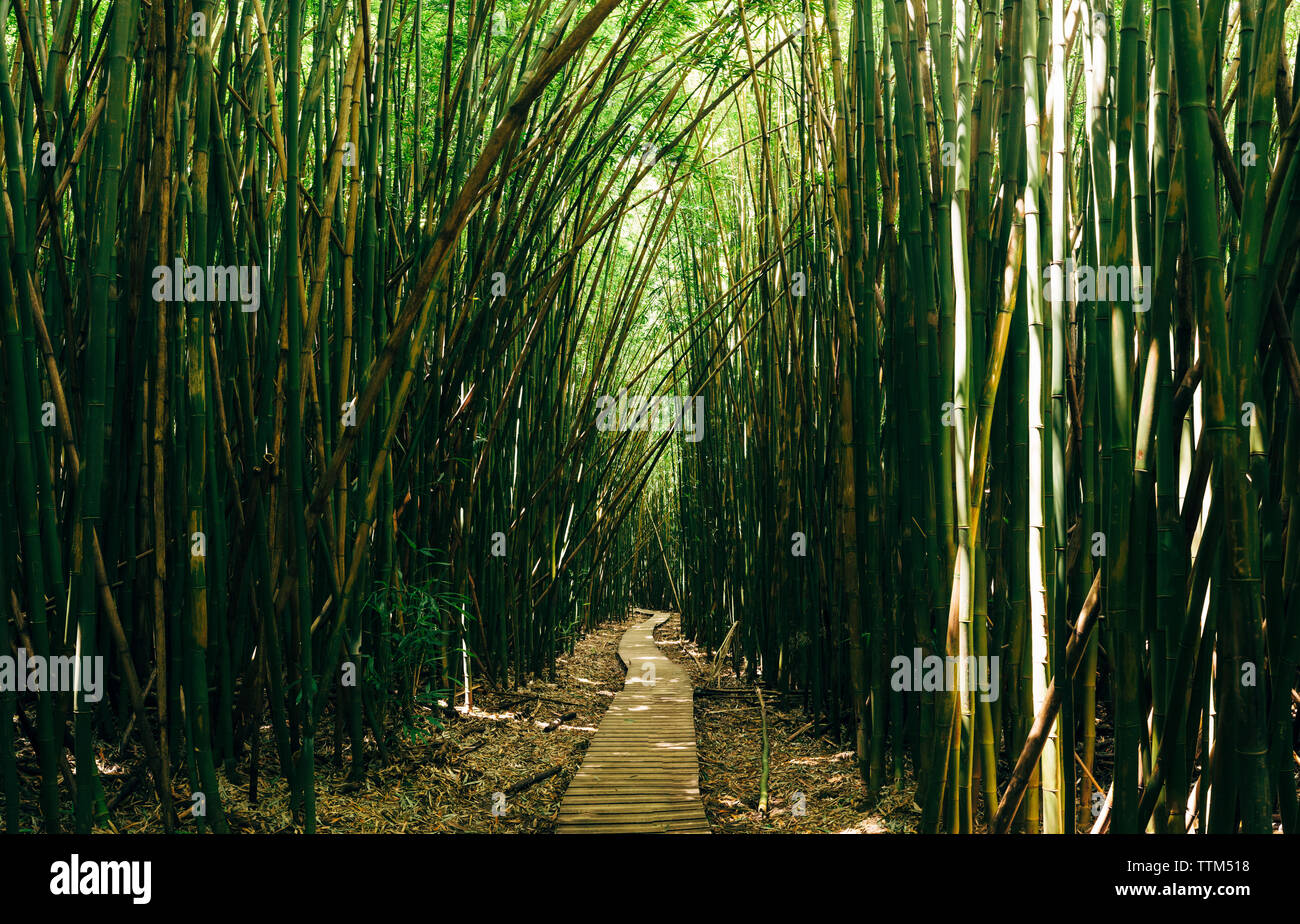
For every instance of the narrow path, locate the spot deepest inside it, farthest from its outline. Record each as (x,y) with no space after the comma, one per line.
(640,773)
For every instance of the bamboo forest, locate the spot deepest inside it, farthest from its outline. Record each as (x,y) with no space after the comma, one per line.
(731,416)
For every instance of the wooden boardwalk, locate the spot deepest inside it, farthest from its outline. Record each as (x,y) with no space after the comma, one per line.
(641,773)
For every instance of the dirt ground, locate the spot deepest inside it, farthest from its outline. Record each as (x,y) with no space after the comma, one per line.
(813,786)
(437,780)
(456,774)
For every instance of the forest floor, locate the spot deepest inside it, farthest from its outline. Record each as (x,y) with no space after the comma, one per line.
(802,763)
(446,768)
(447,772)
(443,773)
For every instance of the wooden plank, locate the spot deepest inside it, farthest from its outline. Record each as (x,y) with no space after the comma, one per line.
(644,758)
(662,827)
(630,818)
(635,792)
(584,800)
(673,772)
(665,830)
(645,808)
(631,786)
(666,775)
(648,758)
(643,745)
(607,764)
(586,797)
(636,776)
(637,789)
(644,766)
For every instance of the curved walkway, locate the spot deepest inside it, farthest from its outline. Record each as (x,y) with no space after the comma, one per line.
(640,773)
